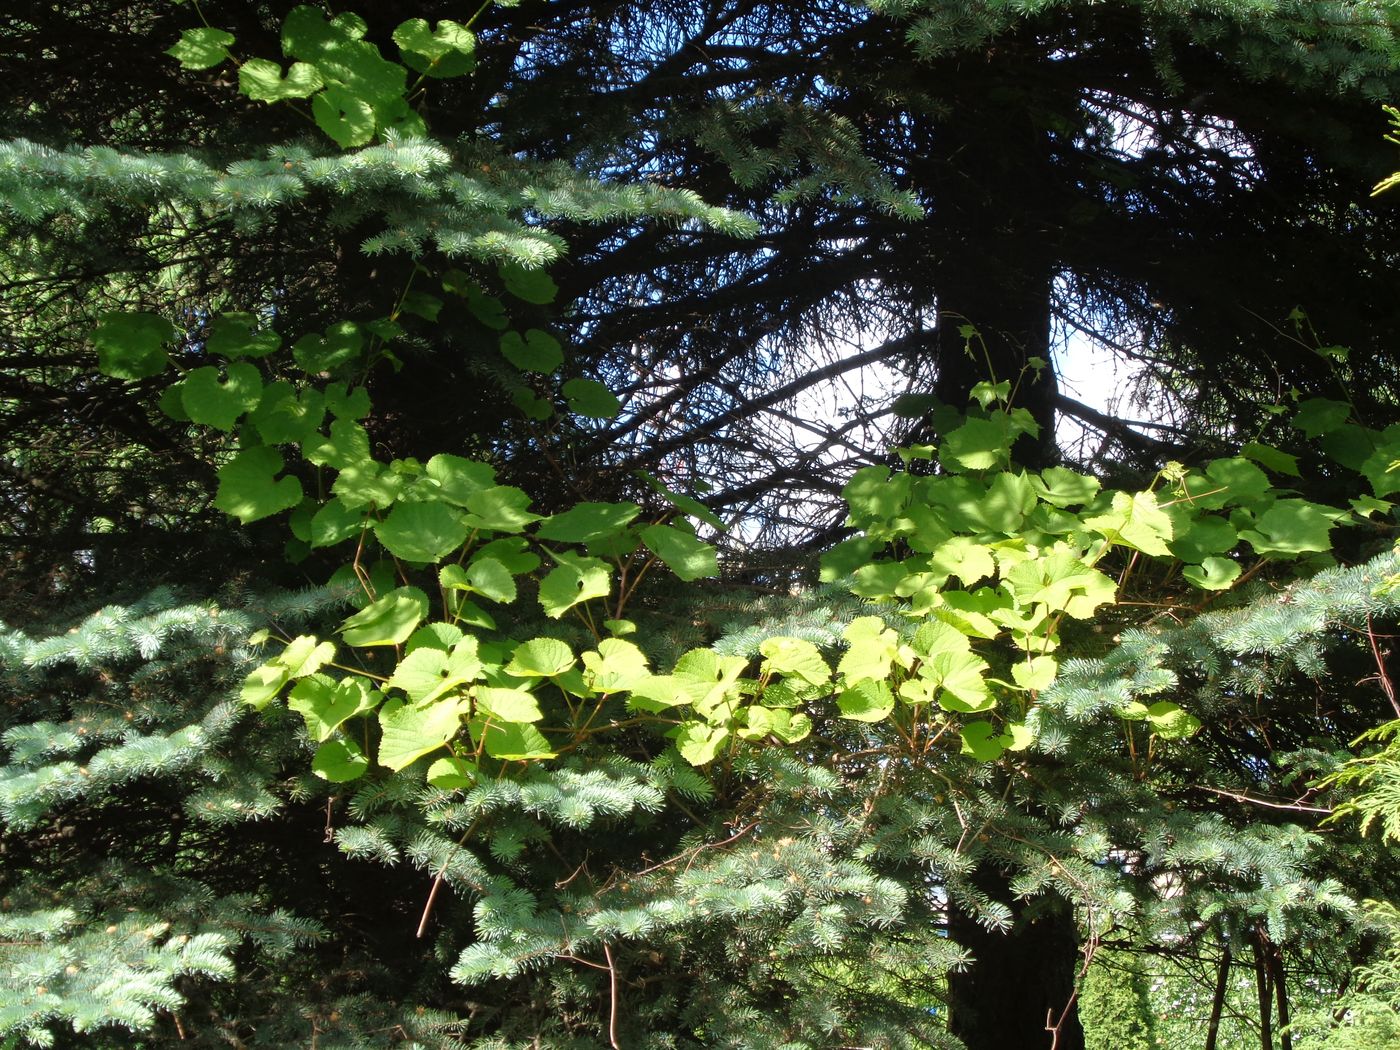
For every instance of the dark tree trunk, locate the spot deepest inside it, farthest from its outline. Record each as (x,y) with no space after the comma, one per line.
(1217,1003)
(1280,982)
(1018,994)
(992,252)
(1263,984)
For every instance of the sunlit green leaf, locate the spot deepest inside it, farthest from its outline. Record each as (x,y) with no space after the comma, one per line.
(387,621)
(249,488)
(132,345)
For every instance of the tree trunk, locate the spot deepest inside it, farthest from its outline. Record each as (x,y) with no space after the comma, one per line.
(1217,1003)
(1262,983)
(992,252)
(1280,982)
(1018,993)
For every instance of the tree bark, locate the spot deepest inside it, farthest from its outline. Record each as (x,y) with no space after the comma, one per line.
(1280,983)
(1018,993)
(1217,1003)
(1262,983)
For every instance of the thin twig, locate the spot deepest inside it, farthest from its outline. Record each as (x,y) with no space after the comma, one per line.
(612,998)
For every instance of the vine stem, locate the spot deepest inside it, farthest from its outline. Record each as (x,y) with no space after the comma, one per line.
(612,998)
(437,882)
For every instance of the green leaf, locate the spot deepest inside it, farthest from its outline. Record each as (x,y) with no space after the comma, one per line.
(341,345)
(249,489)
(1170,722)
(220,404)
(1035,672)
(132,345)
(304,655)
(531,405)
(979,444)
(1271,458)
(459,479)
(537,351)
(262,685)
(961,676)
(501,508)
(540,658)
(684,555)
(1062,487)
(617,665)
(875,496)
(448,52)
(428,673)
(965,558)
(201,48)
(982,741)
(1198,538)
(335,523)
(587,521)
(410,731)
(326,704)
(491,579)
(508,705)
(440,636)
(1137,522)
(1319,415)
(590,398)
(262,81)
(577,579)
(422,532)
(510,741)
(451,773)
(388,621)
(873,648)
(339,761)
(283,418)
(231,336)
(1292,526)
(794,658)
(866,701)
(1213,574)
(533,286)
(685,504)
(699,743)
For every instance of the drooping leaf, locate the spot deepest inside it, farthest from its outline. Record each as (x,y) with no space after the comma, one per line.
(387,621)
(699,743)
(1319,415)
(1292,526)
(459,479)
(232,336)
(615,666)
(452,772)
(304,655)
(684,554)
(510,741)
(490,578)
(428,673)
(448,51)
(587,521)
(501,508)
(1136,521)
